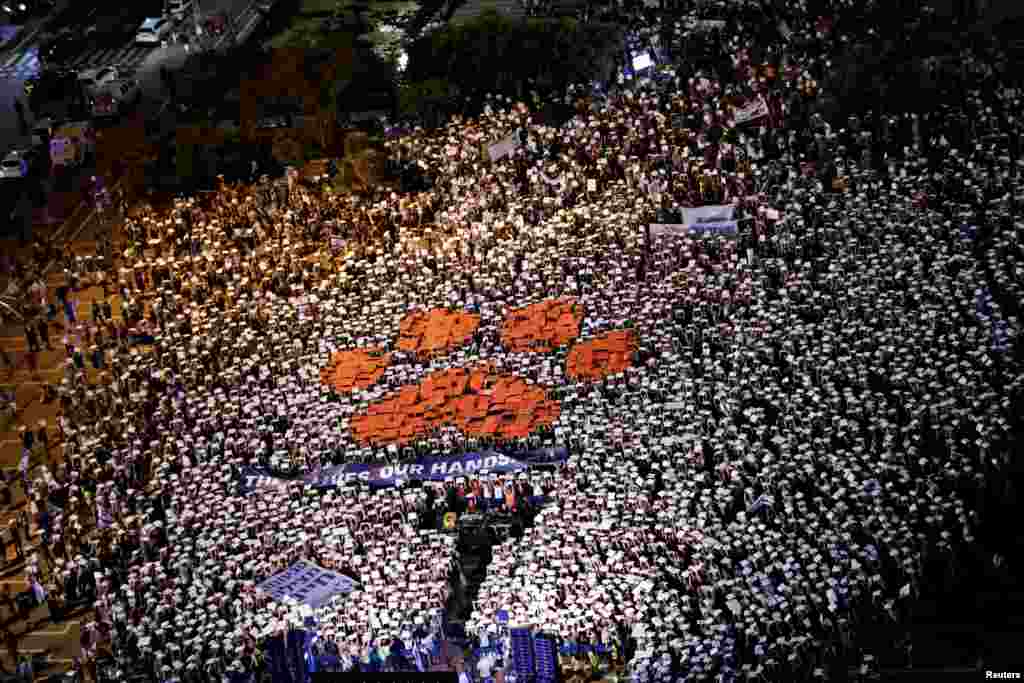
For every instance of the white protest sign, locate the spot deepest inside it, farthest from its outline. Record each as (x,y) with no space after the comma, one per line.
(503,147)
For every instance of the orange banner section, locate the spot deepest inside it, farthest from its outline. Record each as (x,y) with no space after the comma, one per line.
(355,369)
(602,356)
(542,327)
(437,330)
(478,402)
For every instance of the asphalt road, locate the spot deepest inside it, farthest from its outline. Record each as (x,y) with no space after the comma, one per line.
(22,63)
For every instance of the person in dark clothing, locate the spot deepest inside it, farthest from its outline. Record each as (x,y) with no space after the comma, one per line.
(16,539)
(44,332)
(28,438)
(19,109)
(32,338)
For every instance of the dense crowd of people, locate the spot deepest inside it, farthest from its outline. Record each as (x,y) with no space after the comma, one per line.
(810,423)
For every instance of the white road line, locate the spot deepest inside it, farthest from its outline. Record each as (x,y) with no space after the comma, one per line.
(98,58)
(78,61)
(81,59)
(117,56)
(47,632)
(49,659)
(139,55)
(13,59)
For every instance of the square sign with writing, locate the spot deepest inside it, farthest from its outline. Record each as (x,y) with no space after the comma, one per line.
(310,584)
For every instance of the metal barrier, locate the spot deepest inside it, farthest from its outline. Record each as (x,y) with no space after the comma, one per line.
(9,307)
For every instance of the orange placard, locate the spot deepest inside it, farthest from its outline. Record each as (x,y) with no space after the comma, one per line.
(542,327)
(602,356)
(490,404)
(355,369)
(436,330)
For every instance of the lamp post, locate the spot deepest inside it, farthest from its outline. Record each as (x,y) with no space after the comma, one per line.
(197,17)
(282,195)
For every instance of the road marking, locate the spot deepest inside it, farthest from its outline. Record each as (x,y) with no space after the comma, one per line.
(26,39)
(47,632)
(62,660)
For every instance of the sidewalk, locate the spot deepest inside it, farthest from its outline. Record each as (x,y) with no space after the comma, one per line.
(65,192)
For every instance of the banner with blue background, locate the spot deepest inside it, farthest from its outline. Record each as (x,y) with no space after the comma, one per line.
(435,469)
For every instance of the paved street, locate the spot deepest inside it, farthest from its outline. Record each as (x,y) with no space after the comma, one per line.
(16,66)
(21,62)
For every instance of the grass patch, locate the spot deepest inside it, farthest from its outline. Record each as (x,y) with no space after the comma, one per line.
(317,6)
(307,32)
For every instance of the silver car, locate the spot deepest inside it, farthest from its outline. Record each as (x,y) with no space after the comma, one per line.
(15,164)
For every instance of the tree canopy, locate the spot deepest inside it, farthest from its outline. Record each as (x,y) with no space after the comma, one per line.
(493,53)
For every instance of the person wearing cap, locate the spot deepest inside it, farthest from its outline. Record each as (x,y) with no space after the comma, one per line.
(714,390)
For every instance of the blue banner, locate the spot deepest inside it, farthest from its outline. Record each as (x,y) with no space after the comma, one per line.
(435,469)
(682,229)
(715,228)
(257,478)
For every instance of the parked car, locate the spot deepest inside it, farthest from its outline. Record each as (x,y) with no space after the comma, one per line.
(15,164)
(152,31)
(115,97)
(96,79)
(179,8)
(216,24)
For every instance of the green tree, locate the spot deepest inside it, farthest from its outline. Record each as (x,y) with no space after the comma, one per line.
(492,53)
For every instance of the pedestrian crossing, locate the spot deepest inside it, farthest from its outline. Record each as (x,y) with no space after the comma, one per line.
(25,64)
(128,56)
(21,65)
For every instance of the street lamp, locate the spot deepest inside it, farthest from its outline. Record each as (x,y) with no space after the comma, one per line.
(197,17)
(282,191)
